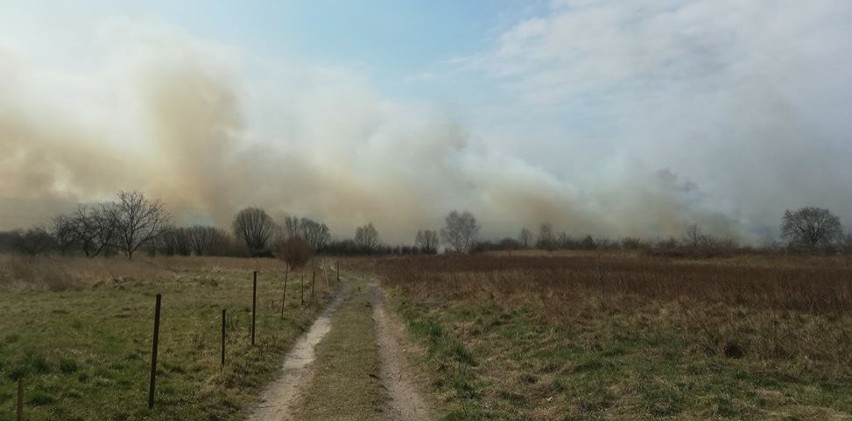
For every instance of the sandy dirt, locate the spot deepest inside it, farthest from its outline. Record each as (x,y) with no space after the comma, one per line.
(406,403)
(280,396)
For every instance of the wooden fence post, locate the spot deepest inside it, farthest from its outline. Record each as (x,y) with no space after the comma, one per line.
(284,295)
(253,306)
(313,281)
(154,345)
(302,289)
(223,336)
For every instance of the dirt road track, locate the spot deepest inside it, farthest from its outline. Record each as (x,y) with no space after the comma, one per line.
(406,402)
(281,399)
(281,395)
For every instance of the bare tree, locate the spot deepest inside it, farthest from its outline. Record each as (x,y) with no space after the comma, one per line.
(546,238)
(315,233)
(206,240)
(94,230)
(695,237)
(367,238)
(34,241)
(137,220)
(427,241)
(460,231)
(255,228)
(292,228)
(64,234)
(811,228)
(564,241)
(177,241)
(296,252)
(588,243)
(525,238)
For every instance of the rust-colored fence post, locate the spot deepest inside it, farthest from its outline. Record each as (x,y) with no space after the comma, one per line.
(338,271)
(154,345)
(253,306)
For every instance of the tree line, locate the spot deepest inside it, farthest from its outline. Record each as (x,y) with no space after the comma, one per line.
(132,223)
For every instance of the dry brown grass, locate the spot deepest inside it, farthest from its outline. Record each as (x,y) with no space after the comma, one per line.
(577,334)
(60,273)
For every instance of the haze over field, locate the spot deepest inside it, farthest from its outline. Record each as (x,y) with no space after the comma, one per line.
(606,117)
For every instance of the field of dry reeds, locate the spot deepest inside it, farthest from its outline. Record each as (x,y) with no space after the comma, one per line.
(618,335)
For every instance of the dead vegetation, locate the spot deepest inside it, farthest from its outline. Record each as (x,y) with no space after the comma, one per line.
(56,273)
(625,335)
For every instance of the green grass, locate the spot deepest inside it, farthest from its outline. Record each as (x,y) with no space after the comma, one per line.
(508,365)
(542,338)
(85,354)
(346,381)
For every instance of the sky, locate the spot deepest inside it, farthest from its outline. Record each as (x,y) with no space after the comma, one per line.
(603,117)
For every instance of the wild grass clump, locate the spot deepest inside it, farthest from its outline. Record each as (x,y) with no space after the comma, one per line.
(623,335)
(35,273)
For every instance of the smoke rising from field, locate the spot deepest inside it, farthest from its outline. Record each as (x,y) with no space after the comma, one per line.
(210,130)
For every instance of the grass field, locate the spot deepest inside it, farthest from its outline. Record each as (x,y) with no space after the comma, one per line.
(626,336)
(79,332)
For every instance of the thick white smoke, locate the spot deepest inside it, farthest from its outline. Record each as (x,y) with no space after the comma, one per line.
(210,129)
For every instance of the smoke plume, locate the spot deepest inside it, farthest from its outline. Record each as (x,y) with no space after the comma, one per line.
(210,130)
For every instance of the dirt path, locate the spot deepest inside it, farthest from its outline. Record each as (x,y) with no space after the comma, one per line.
(331,372)
(280,396)
(406,402)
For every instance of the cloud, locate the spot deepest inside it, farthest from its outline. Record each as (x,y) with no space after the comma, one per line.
(746,98)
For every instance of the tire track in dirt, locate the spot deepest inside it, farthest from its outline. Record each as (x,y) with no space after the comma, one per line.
(279,397)
(406,401)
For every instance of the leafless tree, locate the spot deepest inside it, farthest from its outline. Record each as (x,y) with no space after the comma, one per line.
(546,238)
(460,231)
(206,240)
(695,237)
(315,233)
(177,241)
(525,238)
(564,241)
(367,237)
(34,241)
(137,220)
(427,241)
(94,230)
(296,252)
(64,234)
(588,243)
(811,228)
(255,228)
(291,228)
